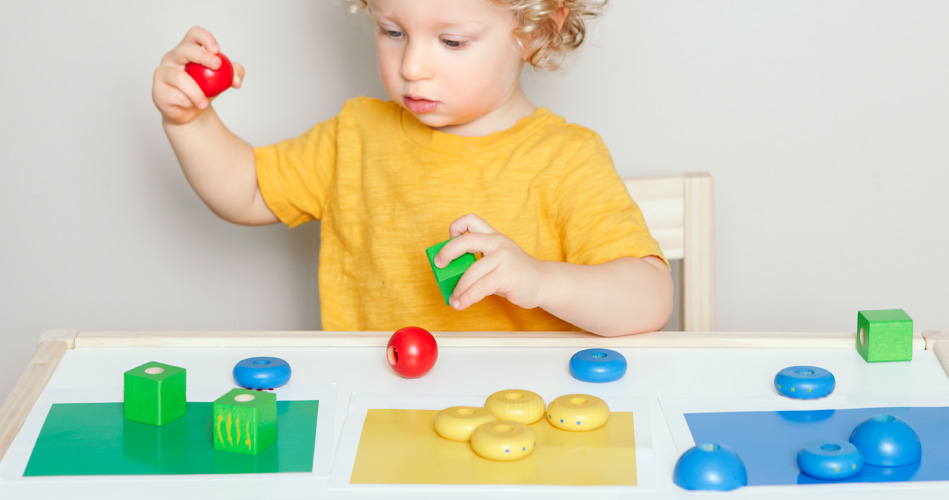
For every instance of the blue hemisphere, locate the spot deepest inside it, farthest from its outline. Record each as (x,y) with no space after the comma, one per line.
(887,441)
(804,382)
(261,373)
(597,365)
(710,466)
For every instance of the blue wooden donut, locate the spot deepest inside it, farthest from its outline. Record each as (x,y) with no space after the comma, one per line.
(261,373)
(804,382)
(597,365)
(830,460)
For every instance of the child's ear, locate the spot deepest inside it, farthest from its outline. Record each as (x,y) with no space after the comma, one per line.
(560,15)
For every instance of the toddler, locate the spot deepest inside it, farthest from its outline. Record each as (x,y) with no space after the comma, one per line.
(459,147)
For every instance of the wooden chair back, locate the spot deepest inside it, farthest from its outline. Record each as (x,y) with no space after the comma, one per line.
(680,213)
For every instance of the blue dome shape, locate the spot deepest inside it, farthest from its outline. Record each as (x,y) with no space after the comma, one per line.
(710,466)
(887,441)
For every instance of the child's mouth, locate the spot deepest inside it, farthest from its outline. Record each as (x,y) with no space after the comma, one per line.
(419,106)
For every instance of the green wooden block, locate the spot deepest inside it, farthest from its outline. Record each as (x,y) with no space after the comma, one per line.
(154,393)
(244,421)
(448,276)
(885,335)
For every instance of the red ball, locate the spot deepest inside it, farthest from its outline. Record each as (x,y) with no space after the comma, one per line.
(212,81)
(412,351)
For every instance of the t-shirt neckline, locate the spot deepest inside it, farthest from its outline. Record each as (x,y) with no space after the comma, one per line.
(429,138)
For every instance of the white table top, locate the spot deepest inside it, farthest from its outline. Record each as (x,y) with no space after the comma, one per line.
(660,373)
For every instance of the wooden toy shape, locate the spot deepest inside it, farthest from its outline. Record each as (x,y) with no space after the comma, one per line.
(804,382)
(448,276)
(244,421)
(578,412)
(459,422)
(262,373)
(212,81)
(885,335)
(830,460)
(516,404)
(887,441)
(154,393)
(597,365)
(504,440)
(710,466)
(412,351)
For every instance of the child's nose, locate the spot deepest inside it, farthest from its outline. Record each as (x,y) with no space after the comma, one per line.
(416,62)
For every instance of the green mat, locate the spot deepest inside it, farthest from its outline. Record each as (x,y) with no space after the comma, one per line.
(81,439)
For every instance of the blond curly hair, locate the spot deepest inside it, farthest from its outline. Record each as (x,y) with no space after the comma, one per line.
(537,32)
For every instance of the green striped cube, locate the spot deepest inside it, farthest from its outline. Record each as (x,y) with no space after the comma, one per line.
(885,335)
(448,276)
(154,393)
(244,421)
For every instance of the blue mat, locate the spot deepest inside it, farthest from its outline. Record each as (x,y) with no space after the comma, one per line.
(768,441)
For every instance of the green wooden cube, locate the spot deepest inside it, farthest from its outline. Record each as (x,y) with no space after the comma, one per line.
(244,421)
(154,393)
(885,335)
(448,276)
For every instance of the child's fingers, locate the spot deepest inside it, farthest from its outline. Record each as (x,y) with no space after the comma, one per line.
(466,243)
(463,231)
(177,99)
(202,37)
(479,281)
(238,74)
(194,48)
(184,54)
(176,107)
(470,223)
(186,85)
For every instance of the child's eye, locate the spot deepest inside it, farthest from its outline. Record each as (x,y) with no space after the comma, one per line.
(453,44)
(392,33)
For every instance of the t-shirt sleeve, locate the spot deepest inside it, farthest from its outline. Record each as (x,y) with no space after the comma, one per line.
(598,219)
(295,176)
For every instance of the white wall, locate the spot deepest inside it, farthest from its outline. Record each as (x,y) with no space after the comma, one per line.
(824,124)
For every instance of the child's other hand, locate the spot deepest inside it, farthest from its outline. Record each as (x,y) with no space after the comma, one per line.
(174,92)
(504,269)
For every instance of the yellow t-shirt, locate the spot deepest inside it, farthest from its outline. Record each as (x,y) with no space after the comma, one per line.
(386,187)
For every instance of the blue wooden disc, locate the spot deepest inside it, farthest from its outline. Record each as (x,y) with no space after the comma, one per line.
(804,382)
(887,441)
(710,466)
(261,373)
(597,365)
(830,460)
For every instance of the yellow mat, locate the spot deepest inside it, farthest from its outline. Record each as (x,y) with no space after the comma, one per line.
(401,447)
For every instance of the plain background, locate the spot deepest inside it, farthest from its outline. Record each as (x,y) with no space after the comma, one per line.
(824,124)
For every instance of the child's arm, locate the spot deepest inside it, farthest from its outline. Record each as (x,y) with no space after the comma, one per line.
(620,297)
(220,166)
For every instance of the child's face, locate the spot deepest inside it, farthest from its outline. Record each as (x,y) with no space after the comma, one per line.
(454,64)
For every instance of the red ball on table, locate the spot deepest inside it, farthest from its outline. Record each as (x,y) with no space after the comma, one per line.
(212,81)
(412,351)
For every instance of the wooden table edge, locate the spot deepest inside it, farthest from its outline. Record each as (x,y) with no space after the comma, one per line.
(50,349)
(805,340)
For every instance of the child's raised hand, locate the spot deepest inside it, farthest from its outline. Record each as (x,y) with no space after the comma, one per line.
(504,269)
(174,92)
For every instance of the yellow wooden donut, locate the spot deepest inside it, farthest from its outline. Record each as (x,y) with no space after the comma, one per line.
(578,412)
(518,405)
(458,422)
(503,440)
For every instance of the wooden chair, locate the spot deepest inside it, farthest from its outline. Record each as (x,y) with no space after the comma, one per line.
(679,211)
